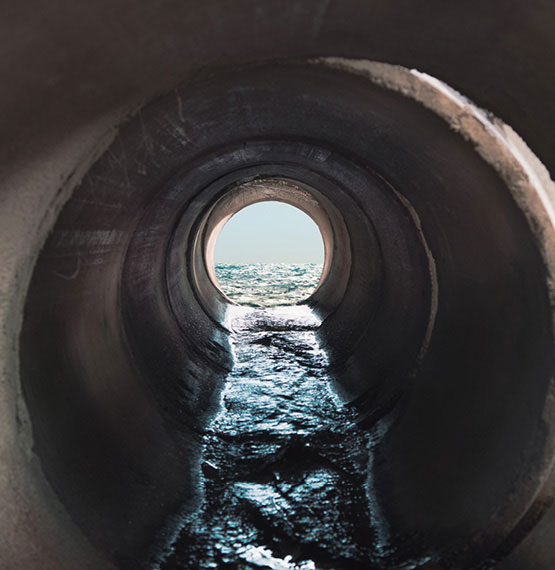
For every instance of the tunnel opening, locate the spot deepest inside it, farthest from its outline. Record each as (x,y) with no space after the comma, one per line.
(281,462)
(268,254)
(434,313)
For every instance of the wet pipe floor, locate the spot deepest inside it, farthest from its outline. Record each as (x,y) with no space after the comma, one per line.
(284,461)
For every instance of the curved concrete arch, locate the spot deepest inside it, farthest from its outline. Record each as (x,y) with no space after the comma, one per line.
(335,237)
(105,420)
(286,191)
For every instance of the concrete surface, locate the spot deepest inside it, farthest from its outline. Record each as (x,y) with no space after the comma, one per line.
(469,402)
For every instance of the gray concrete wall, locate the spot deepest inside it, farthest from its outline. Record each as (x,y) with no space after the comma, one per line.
(75,71)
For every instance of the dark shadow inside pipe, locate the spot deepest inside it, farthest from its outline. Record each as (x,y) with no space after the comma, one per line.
(434,305)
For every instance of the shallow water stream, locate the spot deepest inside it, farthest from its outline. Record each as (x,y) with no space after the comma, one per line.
(283,460)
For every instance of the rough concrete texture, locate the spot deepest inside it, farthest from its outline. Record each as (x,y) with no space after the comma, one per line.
(534,190)
(497,143)
(36,531)
(75,69)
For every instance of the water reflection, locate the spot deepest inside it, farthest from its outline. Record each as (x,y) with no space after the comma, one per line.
(284,460)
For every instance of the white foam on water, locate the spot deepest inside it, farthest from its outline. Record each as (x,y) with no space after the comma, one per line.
(268,284)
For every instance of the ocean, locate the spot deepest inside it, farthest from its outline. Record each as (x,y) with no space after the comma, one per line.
(268,284)
(284,461)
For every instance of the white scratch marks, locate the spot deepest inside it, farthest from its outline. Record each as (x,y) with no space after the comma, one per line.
(179,106)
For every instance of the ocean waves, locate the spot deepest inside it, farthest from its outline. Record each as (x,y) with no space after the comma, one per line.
(268,284)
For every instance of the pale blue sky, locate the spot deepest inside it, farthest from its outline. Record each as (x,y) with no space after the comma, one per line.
(270,232)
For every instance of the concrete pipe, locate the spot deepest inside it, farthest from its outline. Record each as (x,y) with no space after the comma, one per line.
(135,130)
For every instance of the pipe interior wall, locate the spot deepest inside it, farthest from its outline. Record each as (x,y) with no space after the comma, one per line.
(122,352)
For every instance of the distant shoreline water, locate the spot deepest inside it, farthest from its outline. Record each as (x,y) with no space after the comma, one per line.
(268,284)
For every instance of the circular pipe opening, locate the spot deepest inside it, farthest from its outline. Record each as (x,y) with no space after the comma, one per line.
(437,313)
(251,257)
(308,201)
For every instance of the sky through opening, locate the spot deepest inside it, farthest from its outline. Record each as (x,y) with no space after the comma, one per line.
(270,232)
(269,254)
